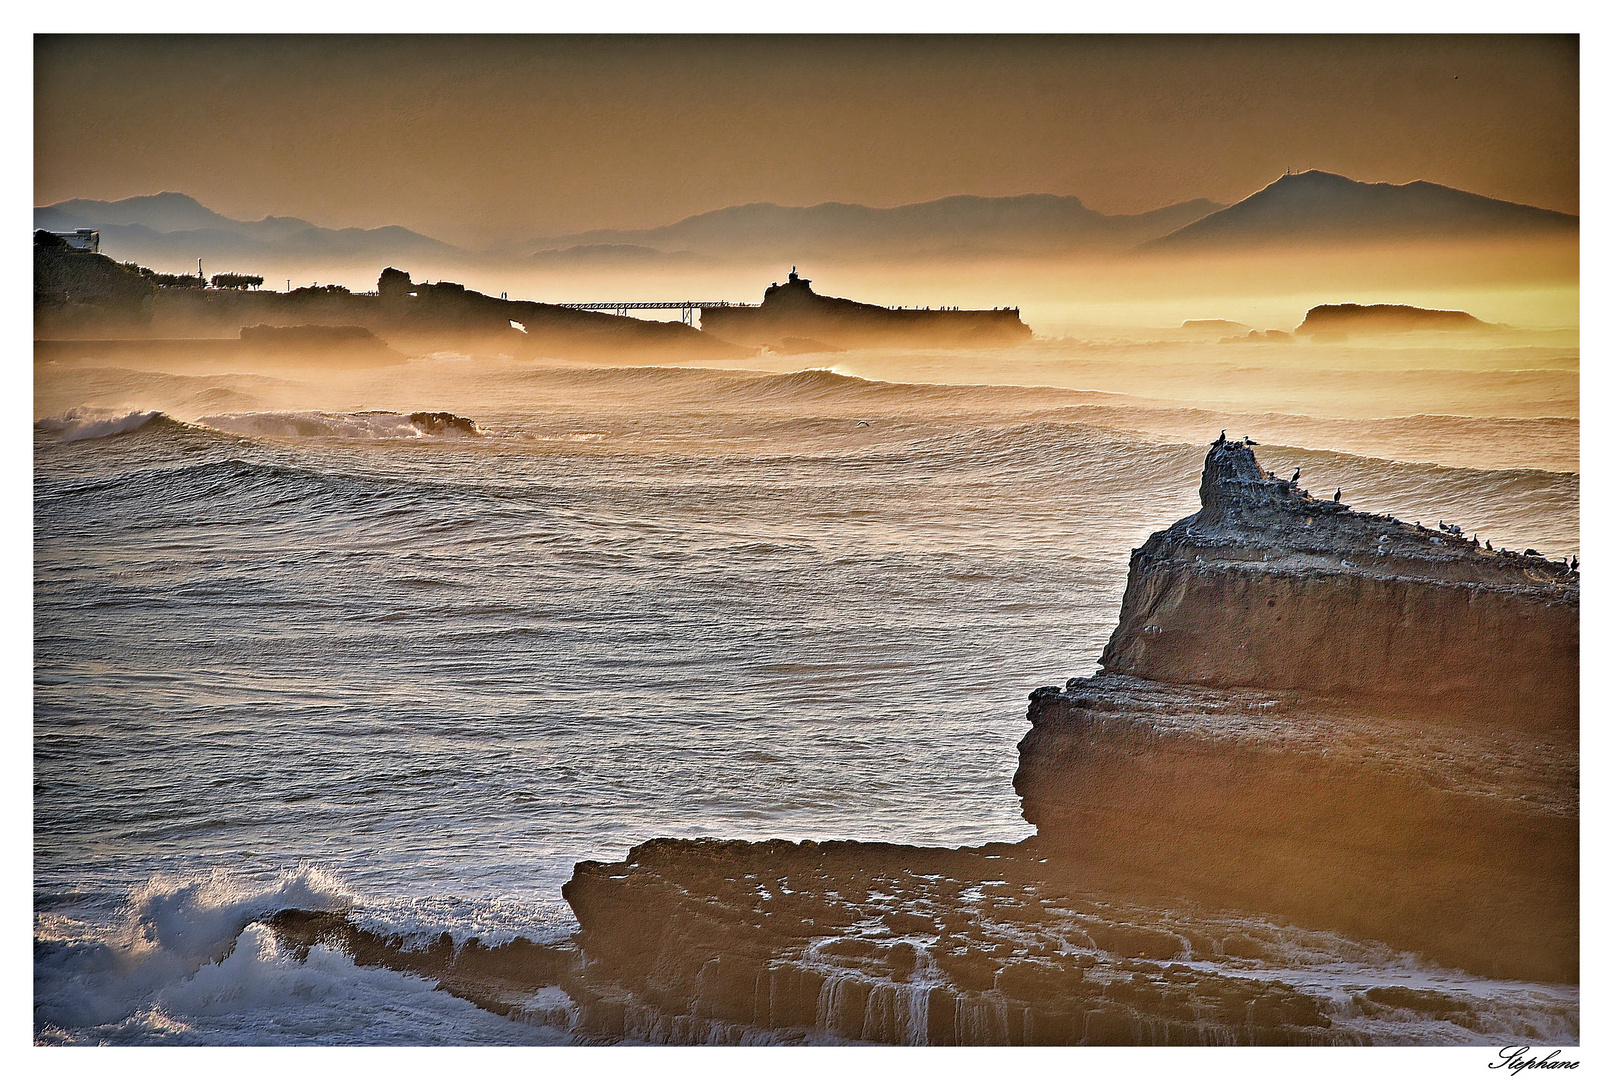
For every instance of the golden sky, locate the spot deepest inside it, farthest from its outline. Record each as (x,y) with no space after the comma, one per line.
(471,138)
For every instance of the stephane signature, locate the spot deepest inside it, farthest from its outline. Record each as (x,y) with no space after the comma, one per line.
(1519,1058)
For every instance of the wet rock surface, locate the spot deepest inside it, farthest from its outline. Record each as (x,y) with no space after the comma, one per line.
(892,944)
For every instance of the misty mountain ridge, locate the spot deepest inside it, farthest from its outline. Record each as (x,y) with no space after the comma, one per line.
(171,226)
(1308,207)
(957,224)
(173,229)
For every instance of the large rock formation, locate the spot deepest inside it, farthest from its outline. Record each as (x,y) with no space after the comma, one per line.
(1266,586)
(1336,320)
(793,310)
(1333,717)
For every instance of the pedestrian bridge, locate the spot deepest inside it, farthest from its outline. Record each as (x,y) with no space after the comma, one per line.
(687,307)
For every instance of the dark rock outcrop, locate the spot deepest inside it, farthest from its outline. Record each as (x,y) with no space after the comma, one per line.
(86,292)
(1335,320)
(1456,841)
(408,316)
(793,310)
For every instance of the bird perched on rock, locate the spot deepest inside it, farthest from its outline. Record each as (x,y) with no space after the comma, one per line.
(1487,546)
(1250,441)
(1222,440)
(1295,478)
(1337,492)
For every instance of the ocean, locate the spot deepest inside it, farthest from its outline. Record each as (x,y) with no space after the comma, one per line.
(303,641)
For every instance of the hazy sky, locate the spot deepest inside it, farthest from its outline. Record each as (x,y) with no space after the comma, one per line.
(465,138)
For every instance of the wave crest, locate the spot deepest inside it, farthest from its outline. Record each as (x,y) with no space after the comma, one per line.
(87,422)
(363,426)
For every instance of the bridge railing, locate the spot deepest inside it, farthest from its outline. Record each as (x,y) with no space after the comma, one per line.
(687,307)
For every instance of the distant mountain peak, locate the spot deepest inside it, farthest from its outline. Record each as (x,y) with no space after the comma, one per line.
(1318,206)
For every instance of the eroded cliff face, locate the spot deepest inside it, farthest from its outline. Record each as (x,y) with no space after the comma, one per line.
(1457,841)
(1268,587)
(1335,718)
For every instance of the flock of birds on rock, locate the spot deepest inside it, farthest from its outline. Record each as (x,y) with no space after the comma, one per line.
(1450,528)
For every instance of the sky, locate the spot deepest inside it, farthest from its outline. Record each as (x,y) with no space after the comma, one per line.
(477,140)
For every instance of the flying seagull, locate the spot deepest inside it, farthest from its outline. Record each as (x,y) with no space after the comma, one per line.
(864,423)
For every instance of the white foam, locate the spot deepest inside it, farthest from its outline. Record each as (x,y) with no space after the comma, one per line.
(171,928)
(491,921)
(356,426)
(262,994)
(189,960)
(92,423)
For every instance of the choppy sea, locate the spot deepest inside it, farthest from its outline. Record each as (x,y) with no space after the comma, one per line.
(299,644)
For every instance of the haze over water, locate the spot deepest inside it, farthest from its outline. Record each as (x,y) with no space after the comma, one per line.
(293,651)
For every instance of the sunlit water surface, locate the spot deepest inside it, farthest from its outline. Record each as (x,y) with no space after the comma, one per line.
(292,652)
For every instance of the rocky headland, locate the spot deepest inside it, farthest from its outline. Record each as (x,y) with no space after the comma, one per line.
(84,300)
(791,310)
(1321,742)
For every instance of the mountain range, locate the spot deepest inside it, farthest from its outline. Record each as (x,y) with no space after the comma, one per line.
(957,225)
(170,230)
(173,228)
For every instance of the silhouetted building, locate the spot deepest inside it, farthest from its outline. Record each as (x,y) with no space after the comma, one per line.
(82,239)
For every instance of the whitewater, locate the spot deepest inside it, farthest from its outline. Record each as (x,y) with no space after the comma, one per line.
(408,645)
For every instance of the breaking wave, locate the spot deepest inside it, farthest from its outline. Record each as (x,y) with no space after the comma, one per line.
(75,425)
(191,961)
(368,425)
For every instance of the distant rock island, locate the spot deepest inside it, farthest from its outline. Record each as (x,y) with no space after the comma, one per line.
(1339,319)
(792,310)
(1330,718)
